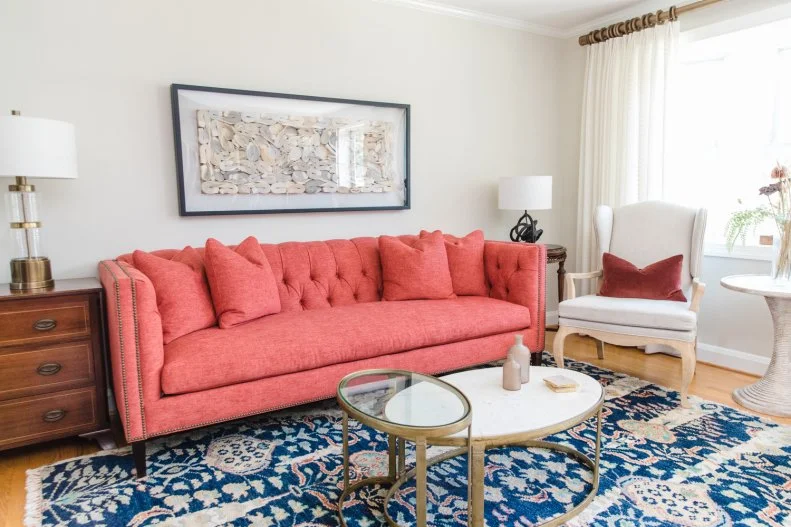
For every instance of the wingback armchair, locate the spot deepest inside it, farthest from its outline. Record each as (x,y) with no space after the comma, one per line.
(642,233)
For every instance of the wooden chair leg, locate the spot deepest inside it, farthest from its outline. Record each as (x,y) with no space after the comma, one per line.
(688,363)
(558,344)
(139,454)
(600,349)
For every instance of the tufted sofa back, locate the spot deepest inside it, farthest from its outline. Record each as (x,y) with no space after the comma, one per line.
(315,275)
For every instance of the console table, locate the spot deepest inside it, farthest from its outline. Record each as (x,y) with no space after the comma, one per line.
(772,393)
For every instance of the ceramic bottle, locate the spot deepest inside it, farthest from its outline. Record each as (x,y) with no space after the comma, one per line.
(512,374)
(521,354)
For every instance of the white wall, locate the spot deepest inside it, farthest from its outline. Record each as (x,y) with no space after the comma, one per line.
(484,104)
(735,320)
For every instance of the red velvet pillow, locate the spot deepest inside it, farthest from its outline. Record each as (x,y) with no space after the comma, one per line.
(415,271)
(465,261)
(658,281)
(243,286)
(183,297)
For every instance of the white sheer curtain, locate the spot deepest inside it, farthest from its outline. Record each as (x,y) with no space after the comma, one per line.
(624,121)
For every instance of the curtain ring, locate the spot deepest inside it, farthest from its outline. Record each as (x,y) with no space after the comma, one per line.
(659,17)
(673,14)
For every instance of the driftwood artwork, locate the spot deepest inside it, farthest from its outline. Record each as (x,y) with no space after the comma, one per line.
(259,153)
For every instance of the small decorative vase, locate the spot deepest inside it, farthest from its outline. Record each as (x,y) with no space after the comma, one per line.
(512,374)
(781,252)
(522,354)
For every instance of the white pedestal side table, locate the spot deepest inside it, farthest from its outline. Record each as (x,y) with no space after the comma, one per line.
(772,393)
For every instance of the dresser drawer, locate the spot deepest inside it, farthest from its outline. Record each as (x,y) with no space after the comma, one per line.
(43,320)
(47,416)
(45,369)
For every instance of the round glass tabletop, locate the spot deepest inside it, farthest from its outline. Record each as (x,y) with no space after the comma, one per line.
(435,404)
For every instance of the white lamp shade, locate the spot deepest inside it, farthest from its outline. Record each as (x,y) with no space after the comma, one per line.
(37,148)
(526,193)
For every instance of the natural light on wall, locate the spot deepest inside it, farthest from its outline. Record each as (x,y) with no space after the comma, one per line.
(731,124)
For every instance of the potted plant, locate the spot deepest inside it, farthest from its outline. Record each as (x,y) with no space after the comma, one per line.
(778,195)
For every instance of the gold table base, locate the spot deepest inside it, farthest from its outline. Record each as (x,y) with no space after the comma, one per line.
(475,450)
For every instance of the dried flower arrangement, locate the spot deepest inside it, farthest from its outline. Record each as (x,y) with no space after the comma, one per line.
(778,194)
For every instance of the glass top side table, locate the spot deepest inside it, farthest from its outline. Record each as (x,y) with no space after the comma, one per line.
(438,409)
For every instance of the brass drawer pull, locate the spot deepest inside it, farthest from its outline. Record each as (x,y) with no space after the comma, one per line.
(49,368)
(54,416)
(45,324)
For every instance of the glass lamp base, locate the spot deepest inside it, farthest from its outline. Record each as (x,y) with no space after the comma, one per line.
(31,273)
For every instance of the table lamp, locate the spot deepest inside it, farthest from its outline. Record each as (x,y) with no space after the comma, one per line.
(526,193)
(32,148)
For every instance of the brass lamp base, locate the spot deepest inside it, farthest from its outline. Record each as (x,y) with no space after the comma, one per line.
(31,273)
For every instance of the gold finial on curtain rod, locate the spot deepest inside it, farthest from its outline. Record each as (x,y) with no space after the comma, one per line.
(639,23)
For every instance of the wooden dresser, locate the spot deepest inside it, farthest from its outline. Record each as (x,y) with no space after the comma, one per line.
(52,371)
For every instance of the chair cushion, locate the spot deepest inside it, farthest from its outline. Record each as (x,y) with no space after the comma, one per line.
(659,281)
(637,312)
(183,298)
(415,269)
(465,262)
(242,285)
(291,342)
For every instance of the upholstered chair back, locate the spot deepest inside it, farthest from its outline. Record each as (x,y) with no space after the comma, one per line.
(650,231)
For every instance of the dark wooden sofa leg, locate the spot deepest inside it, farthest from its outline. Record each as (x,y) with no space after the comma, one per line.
(139,453)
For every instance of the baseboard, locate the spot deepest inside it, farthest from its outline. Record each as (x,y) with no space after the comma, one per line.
(732,359)
(715,355)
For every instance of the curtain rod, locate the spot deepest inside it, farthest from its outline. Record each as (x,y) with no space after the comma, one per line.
(641,22)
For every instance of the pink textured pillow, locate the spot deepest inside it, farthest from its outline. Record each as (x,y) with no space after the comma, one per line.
(415,271)
(243,286)
(465,261)
(659,281)
(183,297)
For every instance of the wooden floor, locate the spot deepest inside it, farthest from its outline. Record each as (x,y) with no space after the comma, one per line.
(710,383)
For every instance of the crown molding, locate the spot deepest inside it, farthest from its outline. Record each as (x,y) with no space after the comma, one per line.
(477,16)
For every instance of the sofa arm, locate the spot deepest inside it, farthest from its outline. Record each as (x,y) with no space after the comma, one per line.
(135,343)
(516,273)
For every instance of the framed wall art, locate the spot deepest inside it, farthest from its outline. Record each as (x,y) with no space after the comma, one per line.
(249,152)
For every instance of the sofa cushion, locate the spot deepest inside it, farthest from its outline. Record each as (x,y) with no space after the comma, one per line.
(416,269)
(242,285)
(296,341)
(637,312)
(183,298)
(465,262)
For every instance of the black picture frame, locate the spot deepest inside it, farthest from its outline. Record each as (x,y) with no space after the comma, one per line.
(180,175)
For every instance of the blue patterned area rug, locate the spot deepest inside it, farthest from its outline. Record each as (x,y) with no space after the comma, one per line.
(661,466)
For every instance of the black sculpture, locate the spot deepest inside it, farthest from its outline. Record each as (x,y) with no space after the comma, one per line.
(526,230)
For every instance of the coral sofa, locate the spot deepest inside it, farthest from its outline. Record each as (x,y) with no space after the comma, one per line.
(333,321)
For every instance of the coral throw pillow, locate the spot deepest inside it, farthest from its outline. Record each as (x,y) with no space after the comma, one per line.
(465,262)
(658,281)
(242,284)
(417,270)
(183,297)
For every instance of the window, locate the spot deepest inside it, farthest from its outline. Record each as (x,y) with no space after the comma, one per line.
(730,123)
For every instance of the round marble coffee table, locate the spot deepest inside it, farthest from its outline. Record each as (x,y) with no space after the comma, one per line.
(501,417)
(772,393)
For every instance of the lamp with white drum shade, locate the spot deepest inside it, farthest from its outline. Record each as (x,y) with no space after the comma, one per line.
(32,148)
(527,193)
